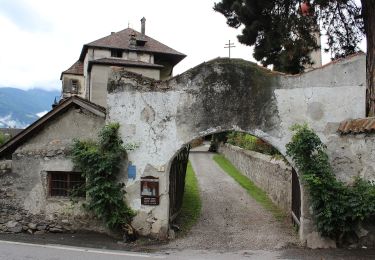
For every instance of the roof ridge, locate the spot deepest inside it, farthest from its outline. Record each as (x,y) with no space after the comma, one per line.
(120,40)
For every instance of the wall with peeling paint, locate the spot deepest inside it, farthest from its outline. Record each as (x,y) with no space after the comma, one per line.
(221,95)
(24,194)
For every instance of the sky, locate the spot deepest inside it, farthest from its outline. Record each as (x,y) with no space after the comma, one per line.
(41,38)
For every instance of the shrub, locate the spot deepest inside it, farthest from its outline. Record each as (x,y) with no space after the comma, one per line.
(100,164)
(338,208)
(252,143)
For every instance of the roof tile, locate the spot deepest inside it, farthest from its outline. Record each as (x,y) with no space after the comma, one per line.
(120,40)
(357,126)
(75,69)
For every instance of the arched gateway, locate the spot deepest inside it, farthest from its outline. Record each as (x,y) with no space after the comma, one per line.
(221,95)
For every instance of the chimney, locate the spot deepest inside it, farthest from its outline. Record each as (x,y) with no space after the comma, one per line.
(143,27)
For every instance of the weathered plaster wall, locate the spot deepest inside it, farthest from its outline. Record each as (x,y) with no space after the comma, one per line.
(99,54)
(67,85)
(272,176)
(223,95)
(352,156)
(99,78)
(147,72)
(25,201)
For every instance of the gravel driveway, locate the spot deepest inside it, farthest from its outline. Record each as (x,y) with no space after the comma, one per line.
(231,219)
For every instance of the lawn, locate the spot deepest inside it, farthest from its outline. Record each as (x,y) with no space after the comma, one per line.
(191,205)
(257,193)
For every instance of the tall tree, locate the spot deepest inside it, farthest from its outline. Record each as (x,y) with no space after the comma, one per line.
(283,31)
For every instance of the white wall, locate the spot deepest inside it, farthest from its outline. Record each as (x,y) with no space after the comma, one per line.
(215,97)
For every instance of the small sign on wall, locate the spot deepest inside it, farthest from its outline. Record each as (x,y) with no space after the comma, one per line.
(132,171)
(150,190)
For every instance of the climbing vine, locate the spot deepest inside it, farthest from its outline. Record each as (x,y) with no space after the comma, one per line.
(338,208)
(100,164)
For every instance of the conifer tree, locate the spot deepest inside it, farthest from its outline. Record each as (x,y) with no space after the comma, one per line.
(282,32)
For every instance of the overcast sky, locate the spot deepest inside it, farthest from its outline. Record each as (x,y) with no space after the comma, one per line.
(41,38)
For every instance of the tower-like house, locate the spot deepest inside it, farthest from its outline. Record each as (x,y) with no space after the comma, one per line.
(129,49)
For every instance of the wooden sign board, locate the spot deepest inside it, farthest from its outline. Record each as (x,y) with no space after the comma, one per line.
(150,191)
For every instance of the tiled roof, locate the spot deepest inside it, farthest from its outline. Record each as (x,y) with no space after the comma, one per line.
(121,62)
(75,69)
(357,126)
(120,40)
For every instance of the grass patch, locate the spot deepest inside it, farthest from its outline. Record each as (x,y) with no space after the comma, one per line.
(258,194)
(191,204)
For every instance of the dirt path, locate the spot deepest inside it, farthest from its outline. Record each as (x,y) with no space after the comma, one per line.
(230,220)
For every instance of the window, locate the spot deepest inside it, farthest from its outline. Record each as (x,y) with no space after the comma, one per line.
(60,184)
(74,86)
(116,53)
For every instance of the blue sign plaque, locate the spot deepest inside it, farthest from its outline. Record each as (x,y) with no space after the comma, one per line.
(132,171)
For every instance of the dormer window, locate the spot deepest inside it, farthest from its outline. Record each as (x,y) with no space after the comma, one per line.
(116,53)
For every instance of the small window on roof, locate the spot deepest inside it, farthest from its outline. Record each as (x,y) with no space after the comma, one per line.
(116,53)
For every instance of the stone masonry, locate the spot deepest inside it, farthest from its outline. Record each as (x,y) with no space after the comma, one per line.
(223,95)
(271,175)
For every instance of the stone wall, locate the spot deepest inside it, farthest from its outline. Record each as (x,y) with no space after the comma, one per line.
(352,156)
(25,204)
(225,95)
(272,176)
(5,167)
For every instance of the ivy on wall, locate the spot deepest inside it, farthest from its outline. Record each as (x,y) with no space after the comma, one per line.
(100,164)
(338,208)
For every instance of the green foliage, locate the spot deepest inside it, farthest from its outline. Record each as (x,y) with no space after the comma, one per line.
(338,208)
(284,37)
(252,143)
(3,138)
(255,192)
(191,203)
(100,164)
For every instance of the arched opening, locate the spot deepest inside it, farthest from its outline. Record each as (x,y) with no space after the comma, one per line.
(212,143)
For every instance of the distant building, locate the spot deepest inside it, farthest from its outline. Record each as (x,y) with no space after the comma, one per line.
(128,49)
(10,132)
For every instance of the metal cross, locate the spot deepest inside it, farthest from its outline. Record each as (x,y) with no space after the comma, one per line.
(229,46)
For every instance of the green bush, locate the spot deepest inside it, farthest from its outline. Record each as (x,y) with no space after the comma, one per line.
(100,164)
(3,138)
(338,208)
(250,142)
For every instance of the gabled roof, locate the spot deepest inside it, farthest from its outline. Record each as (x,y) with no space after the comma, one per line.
(121,62)
(120,40)
(75,69)
(357,126)
(9,147)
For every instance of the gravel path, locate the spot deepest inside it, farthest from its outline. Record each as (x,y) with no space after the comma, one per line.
(231,219)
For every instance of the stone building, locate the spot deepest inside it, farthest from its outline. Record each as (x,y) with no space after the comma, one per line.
(129,49)
(162,115)
(37,173)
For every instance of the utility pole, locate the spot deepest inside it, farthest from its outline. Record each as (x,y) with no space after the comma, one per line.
(229,45)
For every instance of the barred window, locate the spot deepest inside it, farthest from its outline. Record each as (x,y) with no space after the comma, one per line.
(61,184)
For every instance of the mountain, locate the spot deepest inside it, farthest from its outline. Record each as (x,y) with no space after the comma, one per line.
(20,108)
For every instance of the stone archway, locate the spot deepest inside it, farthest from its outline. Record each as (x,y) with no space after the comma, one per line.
(222,95)
(303,212)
